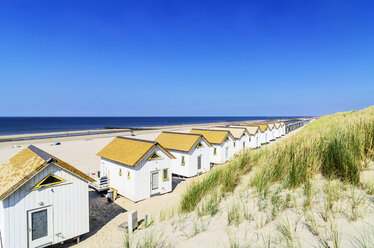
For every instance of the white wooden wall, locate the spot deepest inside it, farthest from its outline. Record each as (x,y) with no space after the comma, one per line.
(256,140)
(205,154)
(190,167)
(216,159)
(143,175)
(239,143)
(138,186)
(272,134)
(222,151)
(69,201)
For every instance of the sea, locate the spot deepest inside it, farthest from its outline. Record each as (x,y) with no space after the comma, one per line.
(32,125)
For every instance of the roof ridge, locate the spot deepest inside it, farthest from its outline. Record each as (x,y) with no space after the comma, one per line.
(141,140)
(42,154)
(239,127)
(207,129)
(195,134)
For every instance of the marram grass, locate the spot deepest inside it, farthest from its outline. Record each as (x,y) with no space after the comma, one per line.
(337,146)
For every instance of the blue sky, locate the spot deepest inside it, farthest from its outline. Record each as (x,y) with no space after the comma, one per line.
(185,58)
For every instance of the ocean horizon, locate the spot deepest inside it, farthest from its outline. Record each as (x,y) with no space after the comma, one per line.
(32,125)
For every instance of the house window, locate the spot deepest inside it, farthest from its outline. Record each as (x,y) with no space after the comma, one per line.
(214,151)
(165,174)
(183,161)
(49,180)
(199,145)
(120,172)
(128,174)
(154,156)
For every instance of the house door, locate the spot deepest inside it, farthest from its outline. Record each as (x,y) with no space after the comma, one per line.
(198,163)
(227,154)
(40,227)
(154,182)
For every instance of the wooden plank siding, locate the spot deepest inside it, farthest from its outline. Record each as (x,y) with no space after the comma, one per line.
(69,201)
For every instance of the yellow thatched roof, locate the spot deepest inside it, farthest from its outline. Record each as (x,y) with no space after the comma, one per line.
(179,141)
(251,129)
(262,127)
(277,125)
(271,126)
(282,123)
(235,131)
(128,151)
(213,136)
(27,163)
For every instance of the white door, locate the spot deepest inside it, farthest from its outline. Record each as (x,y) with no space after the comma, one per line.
(103,172)
(227,153)
(40,227)
(154,182)
(198,163)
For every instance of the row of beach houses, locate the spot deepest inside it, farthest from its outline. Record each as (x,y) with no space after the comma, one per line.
(45,200)
(138,169)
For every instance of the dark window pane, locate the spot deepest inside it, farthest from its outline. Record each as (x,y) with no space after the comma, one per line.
(154,156)
(49,180)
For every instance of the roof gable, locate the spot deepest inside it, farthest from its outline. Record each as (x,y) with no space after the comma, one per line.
(27,163)
(178,141)
(213,136)
(128,151)
(252,130)
(236,132)
(262,127)
(271,126)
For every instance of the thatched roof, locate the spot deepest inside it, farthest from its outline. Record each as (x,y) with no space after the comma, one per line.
(179,141)
(26,164)
(252,130)
(129,151)
(271,126)
(236,132)
(262,127)
(213,136)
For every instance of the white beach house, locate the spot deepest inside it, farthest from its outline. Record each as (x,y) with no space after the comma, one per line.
(278,130)
(222,143)
(283,128)
(43,200)
(273,134)
(255,135)
(137,169)
(241,135)
(192,152)
(265,132)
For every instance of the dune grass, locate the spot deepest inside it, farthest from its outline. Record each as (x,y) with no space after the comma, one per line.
(337,146)
(225,177)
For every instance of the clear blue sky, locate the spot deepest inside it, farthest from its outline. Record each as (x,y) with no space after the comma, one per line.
(166,58)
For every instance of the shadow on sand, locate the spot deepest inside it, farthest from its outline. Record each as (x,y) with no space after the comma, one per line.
(176,180)
(101,212)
